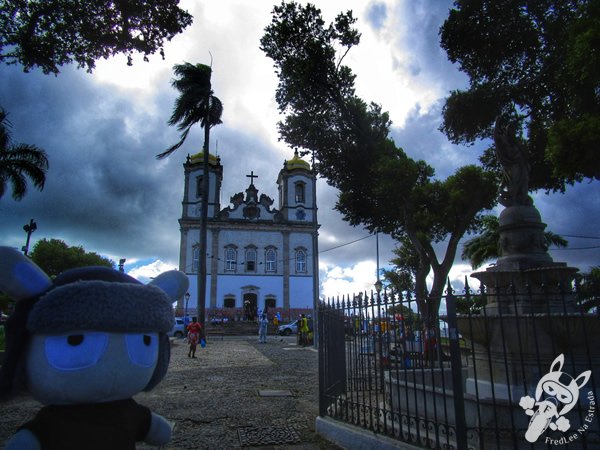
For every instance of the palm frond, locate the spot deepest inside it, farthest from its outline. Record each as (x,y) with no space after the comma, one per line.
(18,162)
(195,103)
(171,149)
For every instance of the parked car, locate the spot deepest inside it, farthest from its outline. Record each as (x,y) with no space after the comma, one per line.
(292,327)
(178,329)
(289,328)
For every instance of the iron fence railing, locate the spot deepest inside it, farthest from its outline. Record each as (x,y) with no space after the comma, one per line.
(493,370)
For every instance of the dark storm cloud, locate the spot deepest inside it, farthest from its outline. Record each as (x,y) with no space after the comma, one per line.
(104,189)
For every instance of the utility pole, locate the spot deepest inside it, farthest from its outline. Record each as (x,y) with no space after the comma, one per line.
(30,228)
(315,258)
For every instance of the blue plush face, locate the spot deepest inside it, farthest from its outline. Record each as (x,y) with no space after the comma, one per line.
(89,366)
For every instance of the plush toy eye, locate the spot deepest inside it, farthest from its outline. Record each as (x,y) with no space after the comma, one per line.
(75,351)
(75,339)
(142,349)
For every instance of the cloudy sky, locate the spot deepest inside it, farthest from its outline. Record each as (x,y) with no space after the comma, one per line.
(107,192)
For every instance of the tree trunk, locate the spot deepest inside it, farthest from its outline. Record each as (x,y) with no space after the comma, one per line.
(203,231)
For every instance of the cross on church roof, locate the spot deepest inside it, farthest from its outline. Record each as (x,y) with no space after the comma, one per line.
(252,177)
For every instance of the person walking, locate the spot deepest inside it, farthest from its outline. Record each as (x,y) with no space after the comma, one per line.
(303,331)
(262,328)
(193,336)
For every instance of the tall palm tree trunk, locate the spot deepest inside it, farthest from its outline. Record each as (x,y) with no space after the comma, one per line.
(203,231)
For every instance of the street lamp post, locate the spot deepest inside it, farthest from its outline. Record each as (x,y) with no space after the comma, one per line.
(378,287)
(378,283)
(187,299)
(30,228)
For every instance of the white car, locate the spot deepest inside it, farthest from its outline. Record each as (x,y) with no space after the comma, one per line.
(287,329)
(178,329)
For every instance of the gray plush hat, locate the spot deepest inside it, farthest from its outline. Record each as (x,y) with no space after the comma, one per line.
(103,306)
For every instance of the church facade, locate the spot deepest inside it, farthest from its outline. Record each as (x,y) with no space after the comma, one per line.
(258,256)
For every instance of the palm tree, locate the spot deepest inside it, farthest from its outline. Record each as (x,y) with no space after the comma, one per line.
(196,104)
(19,162)
(486,246)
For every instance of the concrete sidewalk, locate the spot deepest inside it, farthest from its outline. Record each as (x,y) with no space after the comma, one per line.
(237,393)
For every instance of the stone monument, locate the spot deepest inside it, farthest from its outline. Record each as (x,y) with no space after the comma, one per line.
(531,314)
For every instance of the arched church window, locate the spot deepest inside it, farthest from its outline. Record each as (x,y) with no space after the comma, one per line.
(251,259)
(199,186)
(301,260)
(230,259)
(270,260)
(270,302)
(229,302)
(299,190)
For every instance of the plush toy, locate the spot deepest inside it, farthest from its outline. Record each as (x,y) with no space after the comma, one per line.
(83,344)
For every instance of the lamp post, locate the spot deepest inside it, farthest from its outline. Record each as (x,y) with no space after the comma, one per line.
(30,228)
(187,299)
(378,283)
(378,287)
(122,264)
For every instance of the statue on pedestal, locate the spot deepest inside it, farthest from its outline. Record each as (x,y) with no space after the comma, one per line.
(515,166)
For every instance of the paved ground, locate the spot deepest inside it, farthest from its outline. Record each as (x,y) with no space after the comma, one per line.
(215,402)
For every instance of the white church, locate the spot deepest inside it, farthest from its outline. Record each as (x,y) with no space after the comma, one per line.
(258,256)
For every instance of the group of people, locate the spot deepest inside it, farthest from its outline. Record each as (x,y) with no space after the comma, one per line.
(195,332)
(263,324)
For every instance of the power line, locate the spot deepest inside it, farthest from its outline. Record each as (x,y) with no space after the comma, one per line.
(574,248)
(581,237)
(347,243)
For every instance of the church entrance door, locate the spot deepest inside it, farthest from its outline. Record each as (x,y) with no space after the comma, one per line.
(250,306)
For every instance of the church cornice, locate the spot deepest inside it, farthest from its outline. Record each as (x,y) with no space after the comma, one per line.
(245,225)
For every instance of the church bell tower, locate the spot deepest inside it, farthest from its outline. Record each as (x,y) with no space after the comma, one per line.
(296,190)
(193,196)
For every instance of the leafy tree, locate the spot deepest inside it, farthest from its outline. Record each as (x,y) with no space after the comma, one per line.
(486,246)
(55,256)
(588,292)
(406,266)
(536,61)
(48,34)
(380,187)
(19,162)
(196,104)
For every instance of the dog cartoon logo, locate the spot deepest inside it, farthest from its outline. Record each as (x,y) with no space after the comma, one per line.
(556,394)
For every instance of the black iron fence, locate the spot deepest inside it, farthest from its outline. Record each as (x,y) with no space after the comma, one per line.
(498,369)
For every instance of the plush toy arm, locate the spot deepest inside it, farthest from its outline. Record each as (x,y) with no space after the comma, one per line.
(160,431)
(23,440)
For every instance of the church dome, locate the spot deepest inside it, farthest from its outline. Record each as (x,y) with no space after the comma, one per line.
(297,163)
(198,158)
